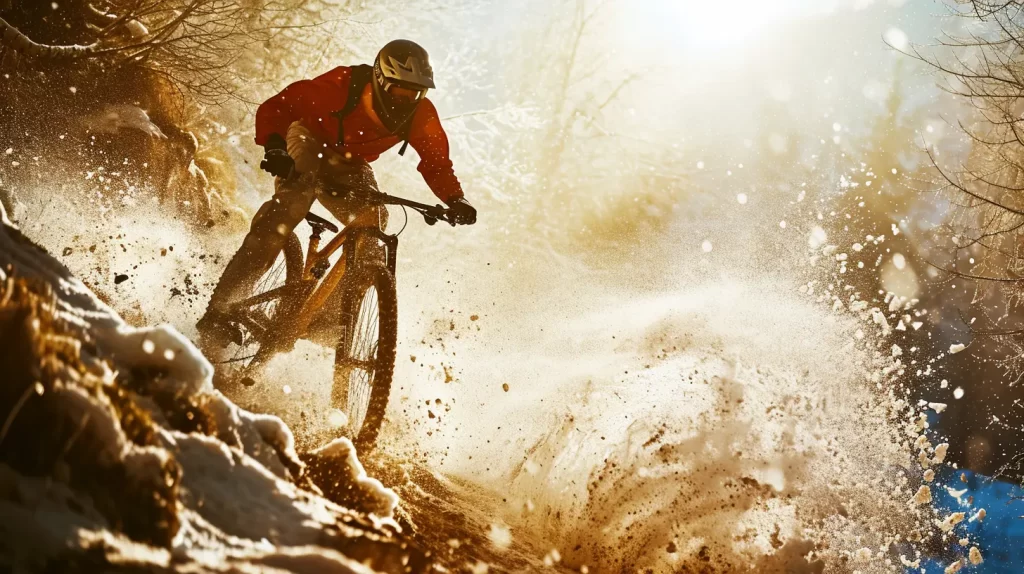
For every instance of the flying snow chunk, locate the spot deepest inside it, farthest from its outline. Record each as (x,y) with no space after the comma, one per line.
(337,419)
(706,246)
(956,348)
(741,198)
(975,556)
(896,38)
(899,261)
(958,393)
(950,521)
(500,536)
(837,127)
(782,224)
(923,495)
(817,238)
(700,165)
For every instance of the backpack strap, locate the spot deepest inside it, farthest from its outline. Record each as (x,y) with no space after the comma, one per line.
(362,74)
(403,133)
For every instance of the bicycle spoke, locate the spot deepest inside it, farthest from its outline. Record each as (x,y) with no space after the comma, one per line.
(363,352)
(262,313)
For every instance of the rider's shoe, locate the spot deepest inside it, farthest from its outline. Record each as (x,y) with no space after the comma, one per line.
(216,331)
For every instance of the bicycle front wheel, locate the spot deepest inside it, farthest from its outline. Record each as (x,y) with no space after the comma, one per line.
(365,357)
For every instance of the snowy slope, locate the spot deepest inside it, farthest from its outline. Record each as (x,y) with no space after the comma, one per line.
(116,450)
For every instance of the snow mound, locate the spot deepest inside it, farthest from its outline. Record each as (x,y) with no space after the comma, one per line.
(116,451)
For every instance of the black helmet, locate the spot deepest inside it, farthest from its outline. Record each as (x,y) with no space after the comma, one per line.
(402,75)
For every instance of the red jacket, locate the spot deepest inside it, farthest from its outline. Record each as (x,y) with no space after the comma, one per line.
(313,101)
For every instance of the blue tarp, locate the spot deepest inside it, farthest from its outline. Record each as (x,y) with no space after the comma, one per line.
(1000,536)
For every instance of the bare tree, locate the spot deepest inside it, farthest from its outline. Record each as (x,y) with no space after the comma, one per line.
(127,80)
(190,43)
(984,66)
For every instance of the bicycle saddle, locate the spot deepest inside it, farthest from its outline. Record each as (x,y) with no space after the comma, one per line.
(319,223)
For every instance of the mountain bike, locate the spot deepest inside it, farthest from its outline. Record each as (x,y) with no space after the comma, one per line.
(347,304)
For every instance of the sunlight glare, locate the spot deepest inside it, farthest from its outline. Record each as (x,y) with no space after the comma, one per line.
(705,26)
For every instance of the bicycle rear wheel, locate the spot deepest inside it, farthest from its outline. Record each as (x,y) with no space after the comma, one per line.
(365,357)
(258,320)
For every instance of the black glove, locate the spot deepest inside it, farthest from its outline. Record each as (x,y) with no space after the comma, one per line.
(276,160)
(462,212)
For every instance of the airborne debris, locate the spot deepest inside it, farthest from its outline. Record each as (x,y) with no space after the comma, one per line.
(500,536)
(975,556)
(923,496)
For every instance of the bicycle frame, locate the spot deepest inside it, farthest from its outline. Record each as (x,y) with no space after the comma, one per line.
(315,259)
(303,300)
(311,292)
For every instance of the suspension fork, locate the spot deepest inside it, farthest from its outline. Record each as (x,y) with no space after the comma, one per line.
(348,264)
(390,245)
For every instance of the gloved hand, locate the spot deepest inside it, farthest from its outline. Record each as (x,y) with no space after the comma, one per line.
(462,212)
(276,160)
(278,163)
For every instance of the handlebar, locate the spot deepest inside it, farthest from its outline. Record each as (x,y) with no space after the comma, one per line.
(431,213)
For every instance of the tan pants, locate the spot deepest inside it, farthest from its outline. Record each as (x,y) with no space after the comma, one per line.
(325,176)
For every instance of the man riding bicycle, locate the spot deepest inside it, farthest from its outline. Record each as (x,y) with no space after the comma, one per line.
(319,137)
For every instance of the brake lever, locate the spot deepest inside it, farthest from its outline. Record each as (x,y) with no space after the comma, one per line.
(432,216)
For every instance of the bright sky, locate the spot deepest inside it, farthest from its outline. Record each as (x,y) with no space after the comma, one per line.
(718,63)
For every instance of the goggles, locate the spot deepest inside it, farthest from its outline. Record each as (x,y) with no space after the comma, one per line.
(404,94)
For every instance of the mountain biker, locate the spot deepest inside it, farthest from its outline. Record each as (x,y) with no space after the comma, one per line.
(319,137)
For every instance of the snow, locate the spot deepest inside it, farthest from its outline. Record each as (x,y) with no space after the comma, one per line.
(115,119)
(500,536)
(238,502)
(899,261)
(374,497)
(956,348)
(950,521)
(923,495)
(975,556)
